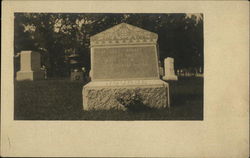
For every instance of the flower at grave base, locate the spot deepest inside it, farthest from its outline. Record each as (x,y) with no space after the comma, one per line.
(129,99)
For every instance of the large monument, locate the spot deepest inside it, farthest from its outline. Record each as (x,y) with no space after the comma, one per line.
(124,59)
(30,66)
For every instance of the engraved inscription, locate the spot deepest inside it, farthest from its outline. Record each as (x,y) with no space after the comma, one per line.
(125,62)
(125,82)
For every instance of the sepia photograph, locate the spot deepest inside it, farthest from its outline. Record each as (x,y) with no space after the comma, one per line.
(109,78)
(108,66)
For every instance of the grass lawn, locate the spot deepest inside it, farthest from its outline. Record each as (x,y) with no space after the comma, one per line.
(62,100)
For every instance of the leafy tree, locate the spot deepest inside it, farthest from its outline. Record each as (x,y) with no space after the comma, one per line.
(58,35)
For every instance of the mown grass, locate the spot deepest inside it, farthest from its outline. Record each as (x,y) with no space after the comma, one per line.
(62,100)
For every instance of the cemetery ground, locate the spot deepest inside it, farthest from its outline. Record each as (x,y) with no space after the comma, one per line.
(60,99)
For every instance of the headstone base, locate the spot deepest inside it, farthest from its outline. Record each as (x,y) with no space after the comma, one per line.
(29,75)
(170,78)
(102,95)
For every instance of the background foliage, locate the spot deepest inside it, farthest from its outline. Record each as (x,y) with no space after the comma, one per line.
(57,35)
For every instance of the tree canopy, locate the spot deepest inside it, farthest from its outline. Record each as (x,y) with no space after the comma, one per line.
(58,35)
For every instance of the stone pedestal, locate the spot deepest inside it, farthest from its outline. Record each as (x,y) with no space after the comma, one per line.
(169,70)
(102,95)
(30,66)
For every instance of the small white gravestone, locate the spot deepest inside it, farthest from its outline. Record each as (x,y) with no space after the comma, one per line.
(30,66)
(169,69)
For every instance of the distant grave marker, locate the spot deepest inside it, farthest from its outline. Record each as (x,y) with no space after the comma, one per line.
(76,73)
(169,70)
(30,66)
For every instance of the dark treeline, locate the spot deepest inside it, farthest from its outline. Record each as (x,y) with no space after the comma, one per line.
(58,35)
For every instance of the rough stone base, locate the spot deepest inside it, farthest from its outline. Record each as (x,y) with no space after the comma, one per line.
(170,78)
(29,75)
(102,95)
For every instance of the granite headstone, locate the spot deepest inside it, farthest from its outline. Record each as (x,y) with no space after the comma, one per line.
(124,58)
